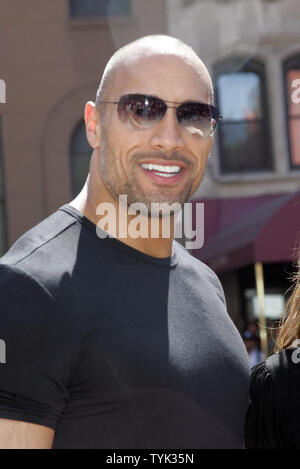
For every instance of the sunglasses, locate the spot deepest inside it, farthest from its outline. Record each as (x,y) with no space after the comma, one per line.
(145,111)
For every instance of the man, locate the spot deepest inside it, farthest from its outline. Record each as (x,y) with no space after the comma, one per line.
(252,342)
(122,341)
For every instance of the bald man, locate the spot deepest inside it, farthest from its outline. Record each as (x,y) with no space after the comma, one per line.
(117,338)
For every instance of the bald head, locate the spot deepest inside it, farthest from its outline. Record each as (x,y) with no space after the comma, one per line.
(148,47)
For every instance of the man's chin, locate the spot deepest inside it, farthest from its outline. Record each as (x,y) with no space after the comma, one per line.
(164,207)
(158,203)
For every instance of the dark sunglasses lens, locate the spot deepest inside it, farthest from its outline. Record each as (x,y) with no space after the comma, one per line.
(143,111)
(199,117)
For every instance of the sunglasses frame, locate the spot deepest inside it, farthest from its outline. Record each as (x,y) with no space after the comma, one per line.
(124,98)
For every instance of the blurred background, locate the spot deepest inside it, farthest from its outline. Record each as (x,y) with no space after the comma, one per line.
(52,56)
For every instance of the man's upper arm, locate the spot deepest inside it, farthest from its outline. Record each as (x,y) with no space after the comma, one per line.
(40,356)
(23,435)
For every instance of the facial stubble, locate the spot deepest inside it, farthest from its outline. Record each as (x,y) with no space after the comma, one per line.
(117,183)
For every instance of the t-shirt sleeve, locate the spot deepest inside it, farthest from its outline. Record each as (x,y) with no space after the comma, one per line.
(37,351)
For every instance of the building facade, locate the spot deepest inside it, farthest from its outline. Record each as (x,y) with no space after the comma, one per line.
(52,58)
(252,50)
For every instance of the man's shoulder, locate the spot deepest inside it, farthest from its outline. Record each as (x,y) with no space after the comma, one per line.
(28,298)
(199,274)
(40,253)
(37,237)
(18,287)
(190,262)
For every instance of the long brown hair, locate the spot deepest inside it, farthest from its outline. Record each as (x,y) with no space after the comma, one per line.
(289,328)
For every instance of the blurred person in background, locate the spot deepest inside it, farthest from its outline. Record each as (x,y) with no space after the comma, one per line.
(251,341)
(273,420)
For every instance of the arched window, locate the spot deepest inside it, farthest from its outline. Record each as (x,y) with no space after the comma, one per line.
(2,203)
(80,158)
(292,92)
(244,139)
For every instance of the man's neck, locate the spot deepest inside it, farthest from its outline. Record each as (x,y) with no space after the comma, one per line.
(126,227)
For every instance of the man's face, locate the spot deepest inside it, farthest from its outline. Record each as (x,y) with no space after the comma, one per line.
(125,148)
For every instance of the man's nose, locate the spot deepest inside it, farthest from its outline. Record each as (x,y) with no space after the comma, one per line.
(166,134)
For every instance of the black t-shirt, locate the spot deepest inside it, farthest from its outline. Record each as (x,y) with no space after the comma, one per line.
(273,419)
(113,348)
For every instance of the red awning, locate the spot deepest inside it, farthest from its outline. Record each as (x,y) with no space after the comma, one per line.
(264,229)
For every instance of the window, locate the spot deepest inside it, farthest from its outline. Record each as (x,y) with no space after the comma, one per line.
(102,8)
(2,205)
(80,158)
(292,84)
(244,141)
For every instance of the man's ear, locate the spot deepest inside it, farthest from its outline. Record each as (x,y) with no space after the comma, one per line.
(92,125)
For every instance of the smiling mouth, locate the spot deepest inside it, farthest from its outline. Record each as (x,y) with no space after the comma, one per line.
(162,170)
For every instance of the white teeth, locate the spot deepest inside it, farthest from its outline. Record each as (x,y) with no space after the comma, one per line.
(164,174)
(162,169)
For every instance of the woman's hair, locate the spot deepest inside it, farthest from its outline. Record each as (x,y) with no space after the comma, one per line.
(289,328)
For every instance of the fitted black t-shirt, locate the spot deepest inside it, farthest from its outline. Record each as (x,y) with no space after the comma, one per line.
(113,348)
(273,419)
